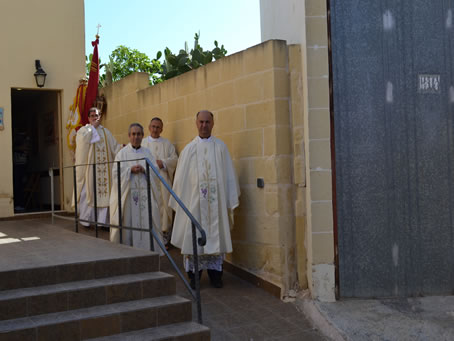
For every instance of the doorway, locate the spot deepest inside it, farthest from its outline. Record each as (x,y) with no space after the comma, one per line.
(36,148)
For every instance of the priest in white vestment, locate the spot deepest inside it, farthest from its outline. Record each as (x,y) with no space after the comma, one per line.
(94,144)
(206,182)
(134,194)
(166,158)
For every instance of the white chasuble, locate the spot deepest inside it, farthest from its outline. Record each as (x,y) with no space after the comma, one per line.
(134,199)
(163,150)
(100,147)
(206,182)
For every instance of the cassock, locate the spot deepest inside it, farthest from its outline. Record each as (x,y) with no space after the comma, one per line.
(206,182)
(94,146)
(163,150)
(134,199)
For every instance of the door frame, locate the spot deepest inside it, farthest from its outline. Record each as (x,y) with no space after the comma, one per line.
(333,152)
(59,131)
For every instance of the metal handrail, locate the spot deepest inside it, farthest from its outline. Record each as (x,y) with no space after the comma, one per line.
(194,223)
(203,239)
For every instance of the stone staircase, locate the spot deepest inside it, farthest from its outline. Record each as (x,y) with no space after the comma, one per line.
(125,298)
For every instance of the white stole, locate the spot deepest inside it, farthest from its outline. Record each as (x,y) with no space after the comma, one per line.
(134,199)
(208,190)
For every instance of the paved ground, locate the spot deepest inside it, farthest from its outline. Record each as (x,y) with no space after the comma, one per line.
(394,319)
(238,311)
(33,243)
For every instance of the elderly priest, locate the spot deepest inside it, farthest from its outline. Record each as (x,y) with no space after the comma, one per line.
(134,193)
(206,182)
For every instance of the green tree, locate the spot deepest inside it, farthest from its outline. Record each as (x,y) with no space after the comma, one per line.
(124,61)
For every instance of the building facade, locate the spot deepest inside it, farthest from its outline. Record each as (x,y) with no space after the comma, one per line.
(33,135)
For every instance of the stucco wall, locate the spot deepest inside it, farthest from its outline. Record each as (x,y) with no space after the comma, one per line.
(53,32)
(249,95)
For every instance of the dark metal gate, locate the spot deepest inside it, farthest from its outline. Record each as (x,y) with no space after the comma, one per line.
(393,98)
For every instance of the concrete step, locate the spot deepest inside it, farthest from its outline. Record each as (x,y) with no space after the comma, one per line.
(185,331)
(83,294)
(70,272)
(98,321)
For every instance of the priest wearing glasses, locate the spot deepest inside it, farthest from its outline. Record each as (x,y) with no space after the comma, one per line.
(94,144)
(134,193)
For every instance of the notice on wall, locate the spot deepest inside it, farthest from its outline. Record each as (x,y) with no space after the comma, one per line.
(2,125)
(429,84)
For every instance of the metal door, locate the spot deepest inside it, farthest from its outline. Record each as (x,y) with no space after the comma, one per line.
(393,97)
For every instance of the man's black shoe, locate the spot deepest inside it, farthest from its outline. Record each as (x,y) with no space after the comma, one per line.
(217,284)
(192,278)
(215,278)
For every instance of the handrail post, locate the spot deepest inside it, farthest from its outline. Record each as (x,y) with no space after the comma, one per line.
(120,221)
(75,200)
(196,273)
(95,196)
(150,212)
(51,175)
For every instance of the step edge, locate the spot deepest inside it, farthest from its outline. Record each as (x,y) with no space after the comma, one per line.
(196,328)
(78,263)
(57,271)
(84,313)
(90,283)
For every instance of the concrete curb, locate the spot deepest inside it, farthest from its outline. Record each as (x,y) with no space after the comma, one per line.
(319,321)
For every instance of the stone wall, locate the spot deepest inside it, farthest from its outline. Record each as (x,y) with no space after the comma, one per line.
(320,227)
(256,98)
(305,23)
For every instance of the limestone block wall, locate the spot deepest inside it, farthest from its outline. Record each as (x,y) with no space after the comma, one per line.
(305,23)
(249,94)
(320,235)
(297,104)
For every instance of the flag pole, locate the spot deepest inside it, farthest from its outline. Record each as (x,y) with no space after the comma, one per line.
(93,80)
(97,31)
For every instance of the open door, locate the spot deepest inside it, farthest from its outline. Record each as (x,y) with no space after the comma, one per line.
(36,139)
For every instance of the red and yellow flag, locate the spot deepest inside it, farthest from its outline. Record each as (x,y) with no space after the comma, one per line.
(75,115)
(93,80)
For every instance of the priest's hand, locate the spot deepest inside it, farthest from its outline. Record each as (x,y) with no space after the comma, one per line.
(137,169)
(160,164)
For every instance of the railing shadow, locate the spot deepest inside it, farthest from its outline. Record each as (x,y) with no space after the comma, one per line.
(195,294)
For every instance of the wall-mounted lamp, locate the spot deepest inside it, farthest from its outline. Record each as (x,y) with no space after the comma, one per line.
(40,74)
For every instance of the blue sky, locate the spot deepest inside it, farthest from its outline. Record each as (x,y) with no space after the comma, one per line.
(150,25)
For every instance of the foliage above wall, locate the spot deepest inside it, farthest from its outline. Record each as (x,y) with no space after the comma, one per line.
(123,61)
(175,65)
